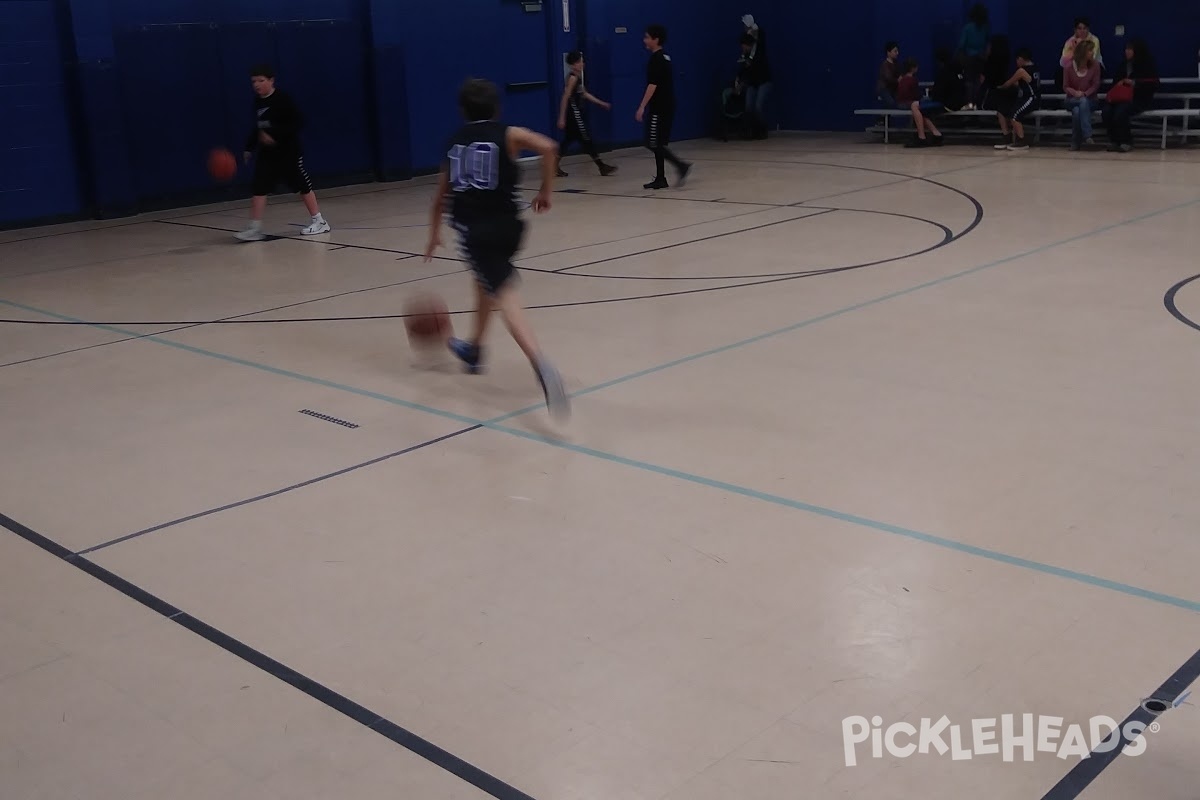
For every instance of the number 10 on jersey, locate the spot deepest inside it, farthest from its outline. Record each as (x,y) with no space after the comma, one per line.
(475,166)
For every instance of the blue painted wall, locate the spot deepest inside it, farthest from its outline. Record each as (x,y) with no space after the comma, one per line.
(113,105)
(38,158)
(1172,30)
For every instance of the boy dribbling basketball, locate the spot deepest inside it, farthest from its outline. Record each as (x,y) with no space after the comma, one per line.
(275,141)
(479,178)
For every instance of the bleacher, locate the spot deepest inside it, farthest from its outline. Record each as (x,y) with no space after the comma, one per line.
(1171,119)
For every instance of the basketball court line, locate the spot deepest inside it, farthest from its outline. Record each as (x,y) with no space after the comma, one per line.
(200,324)
(277,492)
(829,513)
(369,719)
(1089,769)
(1189,605)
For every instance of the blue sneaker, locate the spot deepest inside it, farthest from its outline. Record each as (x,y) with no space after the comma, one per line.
(469,354)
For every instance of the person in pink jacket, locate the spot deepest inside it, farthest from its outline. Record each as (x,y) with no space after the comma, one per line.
(1081,82)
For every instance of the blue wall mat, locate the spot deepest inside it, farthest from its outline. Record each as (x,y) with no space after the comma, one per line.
(493,39)
(324,67)
(172,93)
(39,175)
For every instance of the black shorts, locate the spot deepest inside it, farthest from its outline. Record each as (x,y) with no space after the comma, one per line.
(272,169)
(489,247)
(658,129)
(1020,107)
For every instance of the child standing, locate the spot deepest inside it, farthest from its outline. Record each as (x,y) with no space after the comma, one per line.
(1027,81)
(570,116)
(479,177)
(657,110)
(280,157)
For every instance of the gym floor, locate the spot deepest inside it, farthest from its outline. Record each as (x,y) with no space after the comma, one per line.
(857,430)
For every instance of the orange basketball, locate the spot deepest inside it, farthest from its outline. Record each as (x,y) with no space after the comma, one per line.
(427,319)
(222,165)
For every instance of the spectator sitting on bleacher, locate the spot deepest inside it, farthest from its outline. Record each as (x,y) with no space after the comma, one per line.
(889,76)
(908,95)
(1134,84)
(1081,83)
(995,70)
(1083,33)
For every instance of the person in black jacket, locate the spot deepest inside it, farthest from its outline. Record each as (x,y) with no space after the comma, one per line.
(275,143)
(755,77)
(1137,77)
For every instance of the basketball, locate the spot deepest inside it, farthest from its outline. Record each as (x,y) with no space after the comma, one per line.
(427,319)
(222,165)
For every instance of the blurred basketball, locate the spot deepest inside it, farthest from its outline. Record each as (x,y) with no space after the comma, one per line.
(427,319)
(222,165)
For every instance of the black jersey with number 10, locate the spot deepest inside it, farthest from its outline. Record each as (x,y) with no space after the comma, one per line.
(483,176)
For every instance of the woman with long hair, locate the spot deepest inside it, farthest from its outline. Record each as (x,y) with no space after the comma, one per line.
(1134,83)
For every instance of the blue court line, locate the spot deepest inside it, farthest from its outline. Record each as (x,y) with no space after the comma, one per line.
(848,309)
(828,513)
(699,480)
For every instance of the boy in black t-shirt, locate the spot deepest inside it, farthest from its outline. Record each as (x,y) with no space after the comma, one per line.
(657,110)
(276,140)
(478,182)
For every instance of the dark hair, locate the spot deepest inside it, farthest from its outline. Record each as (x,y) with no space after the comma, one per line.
(978,14)
(748,39)
(1141,53)
(1083,21)
(889,47)
(479,100)
(943,55)
(909,65)
(657,32)
(574,57)
(1025,53)
(264,70)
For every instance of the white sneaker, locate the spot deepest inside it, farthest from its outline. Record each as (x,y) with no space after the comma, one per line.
(252,234)
(317,226)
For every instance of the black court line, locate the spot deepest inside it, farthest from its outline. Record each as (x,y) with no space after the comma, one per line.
(276,237)
(1169,302)
(188,325)
(949,238)
(276,493)
(369,719)
(690,241)
(1162,700)
(944,152)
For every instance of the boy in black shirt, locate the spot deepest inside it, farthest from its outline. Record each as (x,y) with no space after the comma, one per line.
(570,116)
(479,178)
(276,138)
(657,110)
(1027,81)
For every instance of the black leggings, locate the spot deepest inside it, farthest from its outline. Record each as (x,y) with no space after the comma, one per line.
(576,131)
(1118,120)
(658,136)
